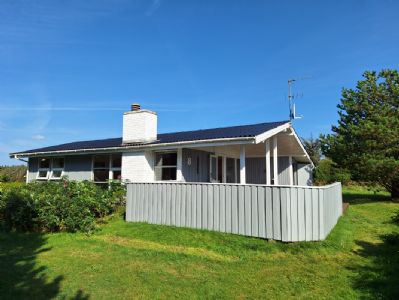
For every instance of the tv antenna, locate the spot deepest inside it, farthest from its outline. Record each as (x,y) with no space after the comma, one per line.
(291,97)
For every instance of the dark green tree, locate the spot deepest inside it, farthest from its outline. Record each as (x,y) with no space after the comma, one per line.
(366,139)
(313,148)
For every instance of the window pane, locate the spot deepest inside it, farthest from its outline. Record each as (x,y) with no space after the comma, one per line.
(44,163)
(230,170)
(58,163)
(43,174)
(220,169)
(116,161)
(117,175)
(57,174)
(101,175)
(169,159)
(101,161)
(213,169)
(169,173)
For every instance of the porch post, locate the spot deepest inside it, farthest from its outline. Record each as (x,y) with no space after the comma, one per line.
(179,166)
(242,164)
(275,160)
(291,170)
(267,146)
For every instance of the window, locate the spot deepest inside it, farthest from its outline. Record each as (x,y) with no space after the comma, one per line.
(57,167)
(116,164)
(107,167)
(50,168)
(44,168)
(165,166)
(101,168)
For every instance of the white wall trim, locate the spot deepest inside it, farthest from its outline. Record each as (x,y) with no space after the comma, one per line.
(267,148)
(275,160)
(179,165)
(242,165)
(264,136)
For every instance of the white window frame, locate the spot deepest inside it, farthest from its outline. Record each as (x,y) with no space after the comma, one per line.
(111,169)
(56,169)
(166,166)
(49,170)
(39,169)
(210,168)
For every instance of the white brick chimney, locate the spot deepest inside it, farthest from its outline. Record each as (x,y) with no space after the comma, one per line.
(139,125)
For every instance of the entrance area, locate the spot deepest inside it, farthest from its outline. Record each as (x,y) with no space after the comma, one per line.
(224,169)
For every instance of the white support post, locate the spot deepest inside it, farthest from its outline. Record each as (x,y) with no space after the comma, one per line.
(275,161)
(179,167)
(110,173)
(268,175)
(224,169)
(291,170)
(242,164)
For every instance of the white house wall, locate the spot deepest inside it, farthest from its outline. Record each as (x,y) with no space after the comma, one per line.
(138,166)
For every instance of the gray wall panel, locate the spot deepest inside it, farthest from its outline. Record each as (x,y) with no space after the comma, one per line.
(192,172)
(78,167)
(256,170)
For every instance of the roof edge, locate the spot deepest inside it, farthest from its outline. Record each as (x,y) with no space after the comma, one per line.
(211,142)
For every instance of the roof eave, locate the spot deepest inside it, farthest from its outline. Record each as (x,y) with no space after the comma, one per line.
(202,143)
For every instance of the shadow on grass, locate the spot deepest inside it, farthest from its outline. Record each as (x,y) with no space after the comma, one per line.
(362,198)
(20,276)
(379,279)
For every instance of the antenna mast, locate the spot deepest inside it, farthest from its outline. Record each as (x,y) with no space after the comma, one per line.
(291,103)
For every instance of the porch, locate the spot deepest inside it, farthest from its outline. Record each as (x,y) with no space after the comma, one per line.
(273,160)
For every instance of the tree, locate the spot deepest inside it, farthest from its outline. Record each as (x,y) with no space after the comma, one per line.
(366,139)
(313,148)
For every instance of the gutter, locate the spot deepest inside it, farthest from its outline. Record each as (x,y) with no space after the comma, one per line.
(246,140)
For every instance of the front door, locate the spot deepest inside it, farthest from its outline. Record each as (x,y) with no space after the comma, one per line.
(216,169)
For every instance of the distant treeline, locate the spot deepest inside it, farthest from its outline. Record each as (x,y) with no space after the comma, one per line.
(12,173)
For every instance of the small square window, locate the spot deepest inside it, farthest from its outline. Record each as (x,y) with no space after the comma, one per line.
(116,175)
(101,175)
(56,174)
(44,163)
(101,161)
(58,163)
(169,173)
(43,174)
(116,161)
(169,159)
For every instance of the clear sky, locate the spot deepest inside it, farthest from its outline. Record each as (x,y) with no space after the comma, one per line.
(68,69)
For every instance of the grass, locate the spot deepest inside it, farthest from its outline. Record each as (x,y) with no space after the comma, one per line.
(359,259)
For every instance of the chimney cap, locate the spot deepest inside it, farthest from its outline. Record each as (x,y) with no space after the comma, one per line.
(135,107)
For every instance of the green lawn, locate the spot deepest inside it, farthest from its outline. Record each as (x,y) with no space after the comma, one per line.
(360,259)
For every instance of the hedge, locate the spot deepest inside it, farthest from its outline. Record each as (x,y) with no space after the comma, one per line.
(57,206)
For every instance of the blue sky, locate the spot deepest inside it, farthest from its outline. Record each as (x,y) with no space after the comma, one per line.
(68,69)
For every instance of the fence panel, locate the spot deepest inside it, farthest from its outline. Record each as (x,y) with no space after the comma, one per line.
(286,213)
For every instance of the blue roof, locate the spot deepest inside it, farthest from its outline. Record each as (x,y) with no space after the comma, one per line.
(174,137)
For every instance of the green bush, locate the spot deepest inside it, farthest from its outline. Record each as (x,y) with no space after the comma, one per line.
(328,172)
(12,173)
(57,206)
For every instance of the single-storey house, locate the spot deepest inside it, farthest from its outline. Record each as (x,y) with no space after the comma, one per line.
(252,180)
(266,153)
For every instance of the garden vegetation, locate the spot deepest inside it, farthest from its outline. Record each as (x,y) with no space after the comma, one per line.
(68,206)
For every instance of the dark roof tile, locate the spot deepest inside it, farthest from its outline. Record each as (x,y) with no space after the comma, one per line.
(183,136)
